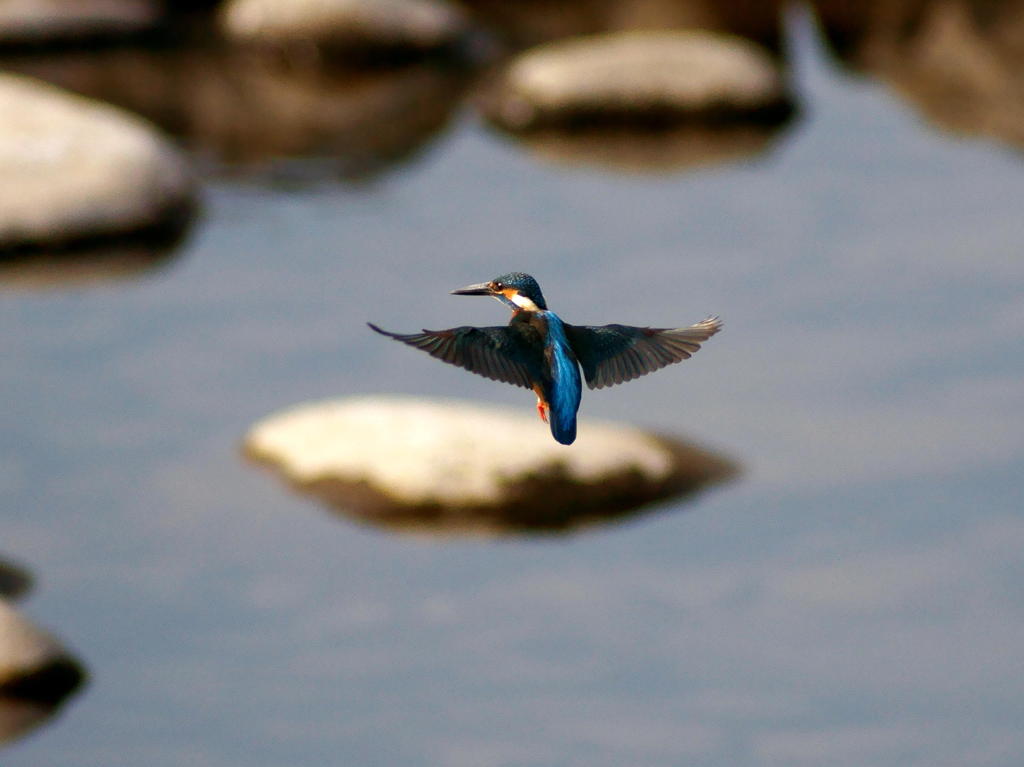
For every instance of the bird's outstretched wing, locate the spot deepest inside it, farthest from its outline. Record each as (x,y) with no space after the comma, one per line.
(614,354)
(499,353)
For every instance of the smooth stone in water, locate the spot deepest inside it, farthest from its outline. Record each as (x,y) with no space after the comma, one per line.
(456,467)
(33,665)
(646,76)
(75,171)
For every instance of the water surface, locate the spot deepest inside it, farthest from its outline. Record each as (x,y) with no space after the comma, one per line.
(853,599)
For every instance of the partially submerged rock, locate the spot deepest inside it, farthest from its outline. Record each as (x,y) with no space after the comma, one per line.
(649,77)
(33,665)
(75,171)
(459,467)
(359,25)
(36,674)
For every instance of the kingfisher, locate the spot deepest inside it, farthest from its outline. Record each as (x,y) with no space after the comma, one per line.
(538,350)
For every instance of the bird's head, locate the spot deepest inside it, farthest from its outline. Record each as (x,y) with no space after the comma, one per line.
(518,290)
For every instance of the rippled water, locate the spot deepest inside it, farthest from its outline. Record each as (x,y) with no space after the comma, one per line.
(854,598)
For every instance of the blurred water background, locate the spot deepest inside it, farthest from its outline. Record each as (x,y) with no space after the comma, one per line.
(853,598)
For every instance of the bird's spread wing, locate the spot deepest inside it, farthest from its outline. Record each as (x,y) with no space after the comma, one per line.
(614,354)
(499,353)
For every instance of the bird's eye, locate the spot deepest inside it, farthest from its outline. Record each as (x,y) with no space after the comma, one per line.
(497,285)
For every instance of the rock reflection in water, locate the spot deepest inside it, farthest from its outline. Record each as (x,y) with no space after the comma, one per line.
(21,714)
(19,717)
(530,22)
(248,109)
(456,468)
(650,151)
(82,266)
(961,62)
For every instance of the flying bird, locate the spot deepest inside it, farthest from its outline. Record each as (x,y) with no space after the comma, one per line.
(539,351)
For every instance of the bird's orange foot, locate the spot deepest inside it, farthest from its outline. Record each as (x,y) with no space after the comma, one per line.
(542,410)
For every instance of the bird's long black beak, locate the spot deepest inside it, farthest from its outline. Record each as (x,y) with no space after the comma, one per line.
(480,289)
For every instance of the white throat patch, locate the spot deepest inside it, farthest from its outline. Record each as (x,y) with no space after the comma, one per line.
(523,302)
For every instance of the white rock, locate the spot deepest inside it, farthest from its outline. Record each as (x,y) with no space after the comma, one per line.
(24,649)
(452,452)
(406,458)
(36,674)
(639,73)
(74,169)
(421,24)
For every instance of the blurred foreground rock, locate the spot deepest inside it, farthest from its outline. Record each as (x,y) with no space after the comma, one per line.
(41,22)
(76,171)
(455,467)
(658,78)
(36,674)
(395,26)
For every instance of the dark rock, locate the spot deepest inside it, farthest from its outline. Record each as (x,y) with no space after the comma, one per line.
(14,581)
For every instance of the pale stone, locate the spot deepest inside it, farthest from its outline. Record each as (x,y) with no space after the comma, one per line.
(402,461)
(74,169)
(420,24)
(423,451)
(641,73)
(24,649)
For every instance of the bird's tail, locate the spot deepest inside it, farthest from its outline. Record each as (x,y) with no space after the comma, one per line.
(564,429)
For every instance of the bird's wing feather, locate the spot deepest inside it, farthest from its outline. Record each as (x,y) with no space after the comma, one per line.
(614,354)
(499,353)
